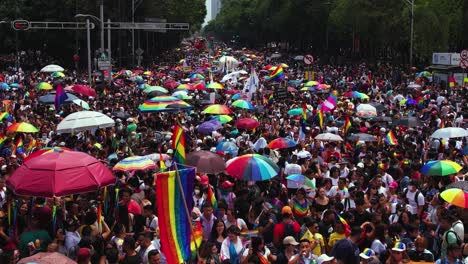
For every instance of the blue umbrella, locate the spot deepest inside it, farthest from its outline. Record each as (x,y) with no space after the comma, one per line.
(50,98)
(465,150)
(4,86)
(209,126)
(227,147)
(15,85)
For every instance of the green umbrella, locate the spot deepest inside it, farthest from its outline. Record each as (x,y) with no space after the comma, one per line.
(222,118)
(160,89)
(440,168)
(296,111)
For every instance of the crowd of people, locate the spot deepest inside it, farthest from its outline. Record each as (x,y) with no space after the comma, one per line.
(369,204)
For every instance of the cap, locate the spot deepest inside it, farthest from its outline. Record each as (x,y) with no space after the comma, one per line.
(130,120)
(360,165)
(289,240)
(286,210)
(227,184)
(204,179)
(393,185)
(268,205)
(399,246)
(367,253)
(169,151)
(62,144)
(83,254)
(324,258)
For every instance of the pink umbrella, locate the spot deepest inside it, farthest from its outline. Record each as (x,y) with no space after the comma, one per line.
(60,173)
(170,84)
(84,90)
(47,258)
(247,123)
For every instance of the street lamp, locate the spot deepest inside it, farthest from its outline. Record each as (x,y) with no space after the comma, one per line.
(411,4)
(101,22)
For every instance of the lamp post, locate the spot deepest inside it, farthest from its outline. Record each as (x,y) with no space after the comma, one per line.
(411,4)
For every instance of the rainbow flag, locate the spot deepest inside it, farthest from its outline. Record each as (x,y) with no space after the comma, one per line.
(304,111)
(60,97)
(5,115)
(391,139)
(178,144)
(382,166)
(19,146)
(197,239)
(347,125)
(212,199)
(174,223)
(105,91)
(346,226)
(442,123)
(2,139)
(320,117)
(162,164)
(277,74)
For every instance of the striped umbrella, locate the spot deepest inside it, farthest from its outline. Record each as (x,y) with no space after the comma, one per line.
(215,85)
(44,86)
(134,163)
(22,127)
(243,104)
(456,197)
(252,167)
(281,143)
(440,168)
(222,118)
(217,109)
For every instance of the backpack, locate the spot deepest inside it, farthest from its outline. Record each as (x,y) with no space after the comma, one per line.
(415,196)
(289,230)
(459,240)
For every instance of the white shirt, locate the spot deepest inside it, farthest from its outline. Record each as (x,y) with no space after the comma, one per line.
(334,190)
(240,224)
(225,248)
(412,201)
(152,223)
(291,169)
(71,239)
(144,254)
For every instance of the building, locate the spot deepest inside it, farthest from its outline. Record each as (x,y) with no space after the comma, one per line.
(213,7)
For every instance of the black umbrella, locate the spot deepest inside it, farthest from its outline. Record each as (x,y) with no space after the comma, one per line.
(407,122)
(378,106)
(362,137)
(381,119)
(50,98)
(121,115)
(458,185)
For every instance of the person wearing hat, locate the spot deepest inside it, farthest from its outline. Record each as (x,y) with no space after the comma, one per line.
(368,256)
(398,254)
(289,250)
(287,227)
(325,259)
(84,256)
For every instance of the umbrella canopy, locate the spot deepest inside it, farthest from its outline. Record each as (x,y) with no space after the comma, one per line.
(459,184)
(328,137)
(84,120)
(59,174)
(407,122)
(252,167)
(381,119)
(215,85)
(247,123)
(456,197)
(209,126)
(149,106)
(134,163)
(47,258)
(50,98)
(222,118)
(450,132)
(52,68)
(356,94)
(366,110)
(311,83)
(45,151)
(281,143)
(151,89)
(182,95)
(440,168)
(22,127)
(206,162)
(301,179)
(58,74)
(217,109)
(362,137)
(297,111)
(44,86)
(81,103)
(227,147)
(84,90)
(156,157)
(243,104)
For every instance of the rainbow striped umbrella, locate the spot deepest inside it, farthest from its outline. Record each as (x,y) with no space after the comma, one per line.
(252,167)
(44,151)
(58,75)
(281,143)
(5,115)
(243,104)
(355,94)
(22,127)
(134,163)
(163,98)
(297,111)
(222,118)
(183,95)
(217,109)
(150,89)
(301,179)
(440,168)
(163,106)
(183,87)
(311,83)
(457,197)
(44,86)
(215,85)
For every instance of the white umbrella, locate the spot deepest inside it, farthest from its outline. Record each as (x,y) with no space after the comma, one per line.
(328,137)
(366,110)
(52,68)
(81,103)
(156,157)
(299,58)
(276,55)
(84,120)
(413,86)
(450,132)
(227,63)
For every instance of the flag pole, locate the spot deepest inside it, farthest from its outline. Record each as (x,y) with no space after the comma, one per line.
(181,189)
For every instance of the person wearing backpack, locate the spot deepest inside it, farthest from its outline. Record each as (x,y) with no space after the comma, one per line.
(287,227)
(414,198)
(449,236)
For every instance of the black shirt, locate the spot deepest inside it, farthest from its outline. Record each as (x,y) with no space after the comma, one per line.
(345,250)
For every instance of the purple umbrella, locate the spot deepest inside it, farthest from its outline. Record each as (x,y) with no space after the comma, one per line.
(209,126)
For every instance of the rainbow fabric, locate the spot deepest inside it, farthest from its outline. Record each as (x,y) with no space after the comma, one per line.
(19,146)
(196,240)
(391,139)
(105,91)
(346,226)
(212,199)
(451,82)
(162,164)
(320,117)
(331,102)
(300,210)
(2,139)
(178,144)
(60,97)
(174,225)
(347,125)
(277,74)
(5,115)
(304,111)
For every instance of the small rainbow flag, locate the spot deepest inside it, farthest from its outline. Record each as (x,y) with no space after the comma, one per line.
(304,111)
(162,164)
(174,226)
(197,239)
(105,91)
(178,144)
(347,125)
(212,199)
(19,146)
(346,226)
(391,139)
(320,117)
(5,115)
(382,166)
(277,74)
(2,139)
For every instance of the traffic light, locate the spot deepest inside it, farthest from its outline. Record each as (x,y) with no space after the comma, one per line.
(20,24)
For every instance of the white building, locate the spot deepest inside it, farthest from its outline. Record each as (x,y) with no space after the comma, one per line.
(212,10)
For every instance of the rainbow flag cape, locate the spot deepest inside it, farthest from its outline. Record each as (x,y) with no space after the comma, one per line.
(178,144)
(212,199)
(346,225)
(60,97)
(174,223)
(320,117)
(391,139)
(19,146)
(277,74)
(197,239)
(347,125)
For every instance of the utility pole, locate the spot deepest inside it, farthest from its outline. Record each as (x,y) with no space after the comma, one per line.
(109,74)
(133,33)
(88,42)
(411,38)
(102,25)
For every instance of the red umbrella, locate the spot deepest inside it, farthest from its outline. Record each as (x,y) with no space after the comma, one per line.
(247,123)
(60,173)
(170,84)
(292,89)
(85,90)
(232,91)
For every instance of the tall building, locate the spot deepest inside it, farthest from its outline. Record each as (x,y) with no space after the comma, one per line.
(212,10)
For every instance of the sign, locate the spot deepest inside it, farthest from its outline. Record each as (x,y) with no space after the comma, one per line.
(20,25)
(139,51)
(464,54)
(103,61)
(156,20)
(441,58)
(280,93)
(455,59)
(464,64)
(308,59)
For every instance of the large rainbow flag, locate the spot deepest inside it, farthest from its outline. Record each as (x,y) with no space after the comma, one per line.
(277,74)
(174,226)
(178,144)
